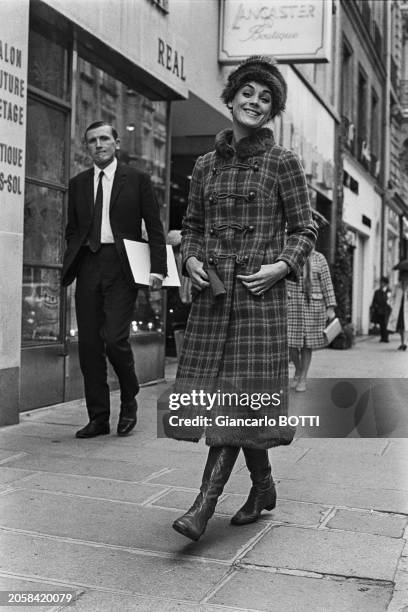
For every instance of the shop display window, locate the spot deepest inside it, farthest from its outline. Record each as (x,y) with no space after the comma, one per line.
(48,64)
(142,128)
(48,117)
(43,225)
(41,305)
(46,142)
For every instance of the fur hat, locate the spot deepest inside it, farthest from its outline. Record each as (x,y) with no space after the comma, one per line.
(262,70)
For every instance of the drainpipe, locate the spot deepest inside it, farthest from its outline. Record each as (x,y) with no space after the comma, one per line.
(386,132)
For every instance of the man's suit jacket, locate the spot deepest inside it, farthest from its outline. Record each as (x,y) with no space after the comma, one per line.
(132,200)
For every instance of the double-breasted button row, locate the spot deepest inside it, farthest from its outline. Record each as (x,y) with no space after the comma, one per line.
(254,167)
(215,196)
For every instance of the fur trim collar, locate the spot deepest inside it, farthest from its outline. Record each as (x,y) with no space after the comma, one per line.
(255,144)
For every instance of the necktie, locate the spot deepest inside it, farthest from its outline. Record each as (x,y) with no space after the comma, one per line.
(95,231)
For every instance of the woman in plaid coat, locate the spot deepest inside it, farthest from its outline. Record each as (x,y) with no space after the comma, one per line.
(243,196)
(310,303)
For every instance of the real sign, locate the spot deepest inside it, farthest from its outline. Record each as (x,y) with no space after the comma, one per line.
(290,30)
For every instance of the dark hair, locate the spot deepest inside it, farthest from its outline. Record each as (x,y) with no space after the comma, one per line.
(97,124)
(262,70)
(384,280)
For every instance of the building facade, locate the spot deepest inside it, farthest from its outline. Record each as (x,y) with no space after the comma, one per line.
(363,83)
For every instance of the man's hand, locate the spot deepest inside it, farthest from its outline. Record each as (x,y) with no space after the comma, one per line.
(330,314)
(199,277)
(155,282)
(265,278)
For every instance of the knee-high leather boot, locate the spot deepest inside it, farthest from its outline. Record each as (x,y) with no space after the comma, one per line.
(262,494)
(220,461)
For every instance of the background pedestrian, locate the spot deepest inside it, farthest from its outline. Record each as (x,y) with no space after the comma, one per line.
(380,307)
(311,303)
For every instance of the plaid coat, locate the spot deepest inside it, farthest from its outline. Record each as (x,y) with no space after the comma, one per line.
(307,319)
(248,206)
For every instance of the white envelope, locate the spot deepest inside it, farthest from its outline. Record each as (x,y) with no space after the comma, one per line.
(139,260)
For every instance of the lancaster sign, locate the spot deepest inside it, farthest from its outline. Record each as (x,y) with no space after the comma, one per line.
(290,30)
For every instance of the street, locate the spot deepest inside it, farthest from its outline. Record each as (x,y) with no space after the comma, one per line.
(93,517)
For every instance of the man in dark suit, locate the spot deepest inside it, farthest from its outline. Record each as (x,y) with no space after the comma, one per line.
(107,204)
(380,308)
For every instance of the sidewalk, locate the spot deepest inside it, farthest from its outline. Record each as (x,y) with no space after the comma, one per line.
(94,516)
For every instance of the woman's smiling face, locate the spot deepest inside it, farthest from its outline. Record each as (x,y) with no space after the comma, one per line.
(251,106)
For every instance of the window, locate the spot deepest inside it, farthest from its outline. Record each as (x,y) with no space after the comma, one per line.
(363,153)
(375,134)
(48,116)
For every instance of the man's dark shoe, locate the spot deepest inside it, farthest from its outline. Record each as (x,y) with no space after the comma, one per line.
(93,429)
(127,417)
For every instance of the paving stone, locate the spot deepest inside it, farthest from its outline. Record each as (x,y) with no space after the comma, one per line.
(9,583)
(88,566)
(87,486)
(343,553)
(312,490)
(69,446)
(291,512)
(176,499)
(272,592)
(43,430)
(6,454)
(368,522)
(349,446)
(105,468)
(10,475)
(368,472)
(399,601)
(117,523)
(112,602)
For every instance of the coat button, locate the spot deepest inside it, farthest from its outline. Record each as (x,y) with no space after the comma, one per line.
(214,170)
(251,195)
(211,199)
(251,228)
(245,258)
(211,260)
(212,231)
(255,167)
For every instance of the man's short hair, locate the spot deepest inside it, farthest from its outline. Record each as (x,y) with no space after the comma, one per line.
(97,124)
(384,280)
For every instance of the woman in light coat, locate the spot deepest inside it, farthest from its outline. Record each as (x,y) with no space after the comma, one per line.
(242,197)
(398,320)
(311,303)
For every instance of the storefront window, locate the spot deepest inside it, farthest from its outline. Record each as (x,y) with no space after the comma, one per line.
(48,64)
(48,117)
(43,225)
(41,305)
(142,128)
(46,141)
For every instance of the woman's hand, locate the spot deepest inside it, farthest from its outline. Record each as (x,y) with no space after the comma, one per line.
(330,314)
(265,278)
(198,275)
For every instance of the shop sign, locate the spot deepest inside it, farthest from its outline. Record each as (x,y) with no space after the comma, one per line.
(13,93)
(171,59)
(290,30)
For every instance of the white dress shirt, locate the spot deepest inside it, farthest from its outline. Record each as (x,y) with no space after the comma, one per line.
(107,182)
